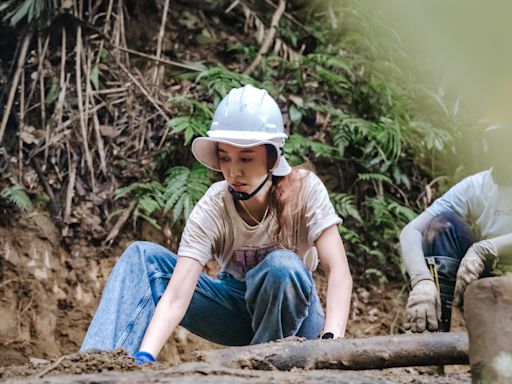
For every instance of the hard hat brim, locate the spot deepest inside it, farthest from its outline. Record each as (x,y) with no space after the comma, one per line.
(204,150)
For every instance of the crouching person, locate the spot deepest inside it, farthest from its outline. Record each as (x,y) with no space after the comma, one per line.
(443,255)
(266,224)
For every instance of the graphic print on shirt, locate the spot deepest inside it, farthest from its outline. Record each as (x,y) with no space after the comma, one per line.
(246,259)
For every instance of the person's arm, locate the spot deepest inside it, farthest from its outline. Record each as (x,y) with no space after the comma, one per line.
(411,239)
(503,246)
(331,253)
(172,305)
(423,304)
(489,252)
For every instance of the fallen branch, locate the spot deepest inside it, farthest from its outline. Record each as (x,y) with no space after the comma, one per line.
(376,352)
(52,367)
(198,67)
(119,224)
(269,38)
(54,205)
(14,84)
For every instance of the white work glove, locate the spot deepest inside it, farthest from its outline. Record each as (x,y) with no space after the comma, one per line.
(472,265)
(424,307)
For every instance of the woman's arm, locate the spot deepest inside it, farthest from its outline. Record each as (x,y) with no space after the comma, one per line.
(411,239)
(172,305)
(331,253)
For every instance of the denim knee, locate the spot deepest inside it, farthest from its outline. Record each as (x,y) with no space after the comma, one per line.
(444,222)
(282,265)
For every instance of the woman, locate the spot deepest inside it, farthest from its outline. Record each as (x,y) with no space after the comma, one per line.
(267,226)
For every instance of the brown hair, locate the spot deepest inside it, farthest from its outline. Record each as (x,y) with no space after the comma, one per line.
(285,203)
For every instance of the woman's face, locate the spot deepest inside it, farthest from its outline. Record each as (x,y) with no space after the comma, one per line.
(243,168)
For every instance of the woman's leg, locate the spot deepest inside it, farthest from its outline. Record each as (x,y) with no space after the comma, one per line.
(135,286)
(282,299)
(445,243)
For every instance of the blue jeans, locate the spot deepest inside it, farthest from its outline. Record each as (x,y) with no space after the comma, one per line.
(445,242)
(277,299)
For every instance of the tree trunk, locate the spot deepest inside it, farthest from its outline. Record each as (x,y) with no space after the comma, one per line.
(488,315)
(361,353)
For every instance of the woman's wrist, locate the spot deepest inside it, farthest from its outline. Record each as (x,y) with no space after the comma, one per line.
(143,357)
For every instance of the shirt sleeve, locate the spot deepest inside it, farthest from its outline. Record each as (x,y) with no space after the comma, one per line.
(201,229)
(458,199)
(319,211)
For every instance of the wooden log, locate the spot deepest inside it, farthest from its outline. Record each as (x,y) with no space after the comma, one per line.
(488,316)
(359,353)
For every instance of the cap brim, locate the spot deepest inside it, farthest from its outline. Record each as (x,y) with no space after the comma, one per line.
(204,150)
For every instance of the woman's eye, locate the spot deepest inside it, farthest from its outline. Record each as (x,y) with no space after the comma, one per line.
(223,159)
(246,160)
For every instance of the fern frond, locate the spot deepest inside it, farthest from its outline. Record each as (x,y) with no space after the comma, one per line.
(183,188)
(374,177)
(196,123)
(17,196)
(297,147)
(220,80)
(345,206)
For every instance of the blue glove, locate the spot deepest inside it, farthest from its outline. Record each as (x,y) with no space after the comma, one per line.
(142,358)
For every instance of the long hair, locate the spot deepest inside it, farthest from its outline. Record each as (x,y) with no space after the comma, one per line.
(285,204)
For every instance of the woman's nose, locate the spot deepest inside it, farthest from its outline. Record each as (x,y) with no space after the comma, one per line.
(234,170)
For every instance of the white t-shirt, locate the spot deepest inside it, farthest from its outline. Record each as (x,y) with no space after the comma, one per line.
(215,229)
(478,199)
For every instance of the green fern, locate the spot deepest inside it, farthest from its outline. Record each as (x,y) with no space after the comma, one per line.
(345,206)
(297,148)
(183,187)
(219,81)
(17,196)
(148,197)
(32,11)
(374,177)
(197,121)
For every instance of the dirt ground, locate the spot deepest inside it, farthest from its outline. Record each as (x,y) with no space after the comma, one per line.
(117,367)
(49,295)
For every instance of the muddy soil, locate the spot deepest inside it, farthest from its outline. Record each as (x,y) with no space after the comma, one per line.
(48,294)
(117,367)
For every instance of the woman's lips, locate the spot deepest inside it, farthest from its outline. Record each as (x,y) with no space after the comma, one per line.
(237,186)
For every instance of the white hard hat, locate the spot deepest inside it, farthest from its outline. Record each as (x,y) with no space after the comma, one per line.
(246,117)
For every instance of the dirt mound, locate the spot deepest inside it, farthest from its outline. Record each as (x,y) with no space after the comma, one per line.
(76,363)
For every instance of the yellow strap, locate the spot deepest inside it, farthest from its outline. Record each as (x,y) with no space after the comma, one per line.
(433,271)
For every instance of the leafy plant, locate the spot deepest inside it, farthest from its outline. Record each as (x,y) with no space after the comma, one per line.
(30,11)
(180,191)
(345,206)
(148,197)
(195,123)
(297,148)
(220,80)
(17,196)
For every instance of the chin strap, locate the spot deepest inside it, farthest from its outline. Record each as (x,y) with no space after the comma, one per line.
(246,196)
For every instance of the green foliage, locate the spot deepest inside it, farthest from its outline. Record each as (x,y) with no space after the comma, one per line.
(183,188)
(17,196)
(29,11)
(180,191)
(148,197)
(297,148)
(195,122)
(345,206)
(219,81)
